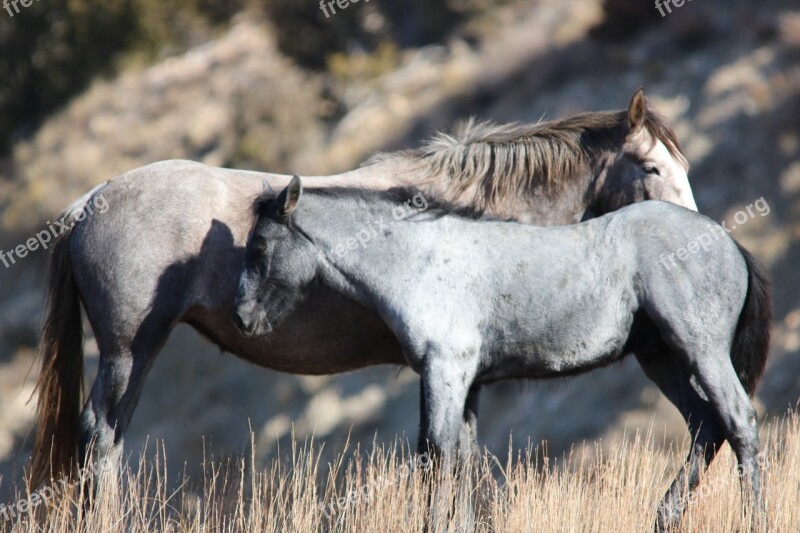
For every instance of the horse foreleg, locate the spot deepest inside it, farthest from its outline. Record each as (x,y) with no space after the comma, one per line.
(445,423)
(446,384)
(468,437)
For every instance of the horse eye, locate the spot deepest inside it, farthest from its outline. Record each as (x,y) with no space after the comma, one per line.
(259,244)
(650,168)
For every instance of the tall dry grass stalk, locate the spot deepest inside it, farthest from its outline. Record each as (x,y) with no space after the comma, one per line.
(615,488)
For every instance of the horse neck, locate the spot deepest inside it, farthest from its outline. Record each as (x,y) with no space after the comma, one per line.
(328,221)
(346,231)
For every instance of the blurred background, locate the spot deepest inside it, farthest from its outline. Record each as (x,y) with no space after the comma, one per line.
(92,88)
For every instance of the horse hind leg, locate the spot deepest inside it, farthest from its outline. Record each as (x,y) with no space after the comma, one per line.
(124,363)
(674,380)
(736,414)
(131,326)
(109,408)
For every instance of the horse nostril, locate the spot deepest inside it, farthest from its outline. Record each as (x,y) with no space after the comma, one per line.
(238,321)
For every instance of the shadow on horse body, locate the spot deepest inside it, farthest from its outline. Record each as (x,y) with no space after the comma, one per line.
(170,247)
(476,301)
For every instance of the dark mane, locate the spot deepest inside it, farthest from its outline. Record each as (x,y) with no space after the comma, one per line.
(261,202)
(503,162)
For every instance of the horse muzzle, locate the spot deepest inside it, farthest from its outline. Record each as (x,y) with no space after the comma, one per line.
(252,325)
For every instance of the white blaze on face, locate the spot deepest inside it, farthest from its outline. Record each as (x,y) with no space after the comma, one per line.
(676,188)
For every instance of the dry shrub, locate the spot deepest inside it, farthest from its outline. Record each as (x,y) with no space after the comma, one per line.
(305,33)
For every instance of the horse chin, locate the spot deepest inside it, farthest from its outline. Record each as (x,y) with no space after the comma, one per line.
(257,328)
(683,199)
(261,328)
(688,202)
(681,196)
(265,328)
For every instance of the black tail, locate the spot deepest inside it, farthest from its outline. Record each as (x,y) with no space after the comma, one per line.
(61,378)
(751,341)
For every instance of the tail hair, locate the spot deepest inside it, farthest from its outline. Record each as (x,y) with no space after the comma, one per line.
(751,340)
(60,383)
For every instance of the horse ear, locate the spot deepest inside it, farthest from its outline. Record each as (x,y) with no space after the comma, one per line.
(637,110)
(290,196)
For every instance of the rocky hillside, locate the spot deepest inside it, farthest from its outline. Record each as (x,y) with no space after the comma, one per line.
(727,77)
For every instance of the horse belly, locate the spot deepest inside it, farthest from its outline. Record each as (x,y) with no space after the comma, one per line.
(325,335)
(562,344)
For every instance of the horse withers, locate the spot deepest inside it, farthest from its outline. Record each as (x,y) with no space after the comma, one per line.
(170,247)
(477,301)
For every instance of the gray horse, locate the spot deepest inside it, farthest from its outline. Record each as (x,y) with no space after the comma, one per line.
(170,247)
(476,301)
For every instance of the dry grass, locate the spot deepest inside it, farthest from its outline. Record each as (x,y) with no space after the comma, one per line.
(615,490)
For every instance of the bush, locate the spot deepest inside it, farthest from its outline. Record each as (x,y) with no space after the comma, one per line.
(625,18)
(310,38)
(52,49)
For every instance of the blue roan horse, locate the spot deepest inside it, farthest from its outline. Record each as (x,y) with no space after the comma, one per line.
(476,301)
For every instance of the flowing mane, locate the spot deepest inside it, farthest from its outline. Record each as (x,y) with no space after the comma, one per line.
(503,162)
